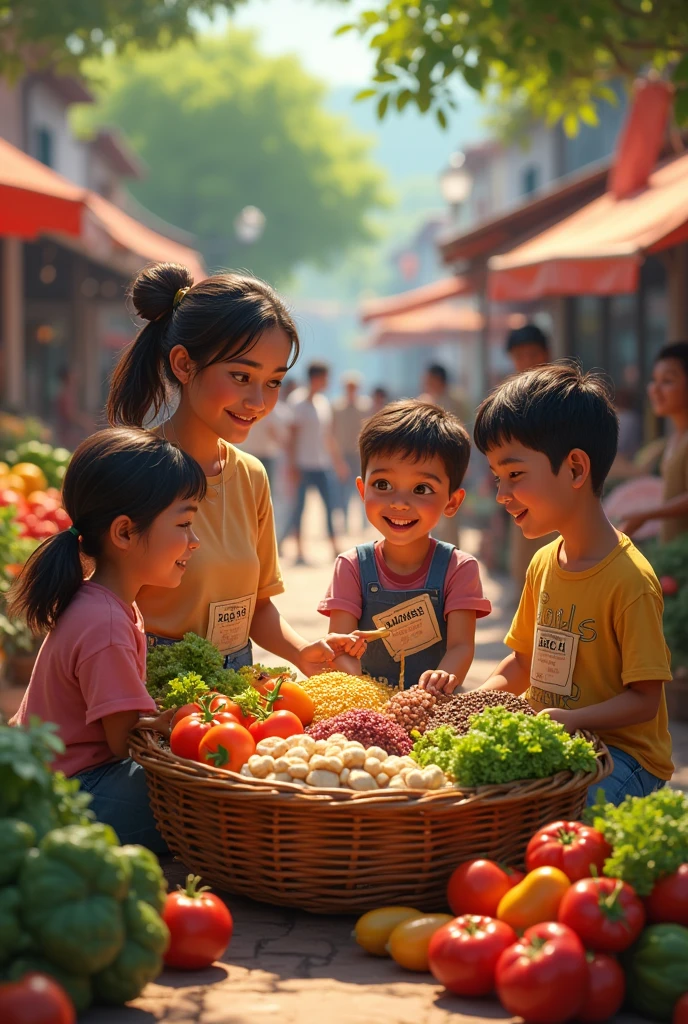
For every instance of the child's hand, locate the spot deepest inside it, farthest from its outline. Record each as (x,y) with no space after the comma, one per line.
(438,681)
(565,718)
(317,656)
(159,723)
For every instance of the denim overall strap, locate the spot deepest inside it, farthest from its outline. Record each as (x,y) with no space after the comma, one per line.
(377,661)
(235,660)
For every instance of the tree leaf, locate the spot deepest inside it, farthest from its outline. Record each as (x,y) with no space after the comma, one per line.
(344,28)
(403,98)
(571,125)
(365,94)
(441,117)
(382,106)
(588,115)
(555,59)
(681,107)
(681,70)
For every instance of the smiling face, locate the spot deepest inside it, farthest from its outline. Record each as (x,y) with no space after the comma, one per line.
(539,500)
(161,553)
(405,500)
(668,388)
(230,396)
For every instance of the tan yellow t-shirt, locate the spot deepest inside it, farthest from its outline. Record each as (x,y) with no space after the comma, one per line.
(591,633)
(235,565)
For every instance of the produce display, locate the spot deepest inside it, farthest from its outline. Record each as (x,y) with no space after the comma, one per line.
(74,904)
(649,836)
(334,692)
(457,711)
(337,762)
(412,708)
(51,462)
(409,942)
(504,746)
(371,728)
(557,947)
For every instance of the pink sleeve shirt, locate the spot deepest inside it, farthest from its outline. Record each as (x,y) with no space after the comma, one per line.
(93,664)
(463,589)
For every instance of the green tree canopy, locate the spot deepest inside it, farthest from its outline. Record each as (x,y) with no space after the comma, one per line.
(553,57)
(62,32)
(220,127)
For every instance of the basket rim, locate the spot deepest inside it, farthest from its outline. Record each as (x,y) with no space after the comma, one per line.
(146,751)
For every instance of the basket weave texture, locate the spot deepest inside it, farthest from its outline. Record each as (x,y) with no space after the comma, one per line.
(336,851)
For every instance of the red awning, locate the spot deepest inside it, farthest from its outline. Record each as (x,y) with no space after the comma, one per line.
(436,325)
(599,249)
(35,200)
(427,295)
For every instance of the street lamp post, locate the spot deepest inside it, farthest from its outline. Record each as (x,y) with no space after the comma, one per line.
(455,183)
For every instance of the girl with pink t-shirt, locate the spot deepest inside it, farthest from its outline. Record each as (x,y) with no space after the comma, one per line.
(132,497)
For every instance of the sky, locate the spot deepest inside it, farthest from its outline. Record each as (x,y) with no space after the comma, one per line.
(306,28)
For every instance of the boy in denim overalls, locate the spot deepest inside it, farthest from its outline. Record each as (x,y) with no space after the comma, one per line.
(426,593)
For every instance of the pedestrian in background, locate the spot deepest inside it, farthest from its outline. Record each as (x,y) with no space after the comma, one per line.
(379,398)
(312,453)
(349,413)
(437,391)
(527,347)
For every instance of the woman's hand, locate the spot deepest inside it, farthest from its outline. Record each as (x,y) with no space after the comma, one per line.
(318,656)
(438,682)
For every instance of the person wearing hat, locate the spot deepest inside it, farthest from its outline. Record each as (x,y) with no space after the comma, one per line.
(349,413)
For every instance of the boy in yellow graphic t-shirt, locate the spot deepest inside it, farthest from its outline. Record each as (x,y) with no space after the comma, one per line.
(587,646)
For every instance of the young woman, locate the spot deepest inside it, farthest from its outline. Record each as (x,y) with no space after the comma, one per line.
(668,393)
(222,347)
(132,497)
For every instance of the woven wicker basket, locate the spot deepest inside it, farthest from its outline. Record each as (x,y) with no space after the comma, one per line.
(335,851)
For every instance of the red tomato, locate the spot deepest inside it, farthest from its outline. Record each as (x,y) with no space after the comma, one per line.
(36,999)
(291,697)
(227,746)
(61,519)
(464,953)
(200,926)
(188,733)
(668,901)
(604,912)
(570,846)
(477,886)
(681,1011)
(228,705)
(605,991)
(279,723)
(543,976)
(184,711)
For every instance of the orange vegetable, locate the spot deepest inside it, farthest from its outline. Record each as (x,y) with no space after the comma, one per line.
(535,899)
(408,944)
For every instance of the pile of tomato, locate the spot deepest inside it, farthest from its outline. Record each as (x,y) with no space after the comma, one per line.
(546,941)
(216,731)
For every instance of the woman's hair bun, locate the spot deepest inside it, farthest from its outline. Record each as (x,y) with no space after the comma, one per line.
(155,287)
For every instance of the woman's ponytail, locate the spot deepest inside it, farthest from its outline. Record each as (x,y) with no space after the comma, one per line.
(138,390)
(48,582)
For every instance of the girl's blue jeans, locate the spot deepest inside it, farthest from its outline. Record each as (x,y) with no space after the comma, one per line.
(628,778)
(120,799)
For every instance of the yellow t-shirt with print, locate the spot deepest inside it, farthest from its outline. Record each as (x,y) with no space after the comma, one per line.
(235,565)
(591,633)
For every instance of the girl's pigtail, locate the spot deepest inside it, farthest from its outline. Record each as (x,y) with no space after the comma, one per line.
(138,390)
(48,582)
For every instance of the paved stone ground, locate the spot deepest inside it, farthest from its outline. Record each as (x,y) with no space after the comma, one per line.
(295,968)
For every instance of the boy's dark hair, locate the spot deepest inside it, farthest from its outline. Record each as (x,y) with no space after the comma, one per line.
(553,409)
(439,371)
(419,430)
(317,370)
(122,471)
(219,318)
(529,334)
(677,350)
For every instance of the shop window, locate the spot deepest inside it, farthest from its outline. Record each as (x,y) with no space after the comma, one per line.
(530,180)
(45,150)
(588,332)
